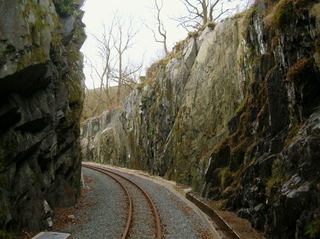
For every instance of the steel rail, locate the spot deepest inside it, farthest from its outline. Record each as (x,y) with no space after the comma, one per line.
(125,234)
(150,201)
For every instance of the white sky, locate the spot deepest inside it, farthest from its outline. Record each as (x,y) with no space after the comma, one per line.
(145,48)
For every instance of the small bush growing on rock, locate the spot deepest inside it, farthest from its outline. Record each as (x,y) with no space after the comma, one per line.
(64,7)
(313,228)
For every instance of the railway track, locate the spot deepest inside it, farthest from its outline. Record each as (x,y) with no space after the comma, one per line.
(137,223)
(222,228)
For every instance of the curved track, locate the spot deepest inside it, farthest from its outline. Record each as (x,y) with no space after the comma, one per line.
(130,222)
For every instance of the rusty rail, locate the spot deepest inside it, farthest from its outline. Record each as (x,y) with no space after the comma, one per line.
(151,203)
(125,234)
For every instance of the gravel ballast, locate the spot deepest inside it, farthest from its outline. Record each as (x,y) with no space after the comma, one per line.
(178,218)
(106,216)
(143,225)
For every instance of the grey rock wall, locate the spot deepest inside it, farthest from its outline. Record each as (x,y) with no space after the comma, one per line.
(234,111)
(186,104)
(102,139)
(41,98)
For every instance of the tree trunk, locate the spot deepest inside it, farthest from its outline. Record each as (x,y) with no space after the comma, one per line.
(205,12)
(119,80)
(165,45)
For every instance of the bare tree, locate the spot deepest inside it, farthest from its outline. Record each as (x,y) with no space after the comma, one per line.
(105,46)
(123,38)
(101,93)
(161,35)
(131,74)
(200,12)
(113,67)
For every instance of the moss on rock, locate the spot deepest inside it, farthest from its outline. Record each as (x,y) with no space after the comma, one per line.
(36,55)
(64,8)
(41,80)
(285,12)
(312,229)
(8,148)
(6,235)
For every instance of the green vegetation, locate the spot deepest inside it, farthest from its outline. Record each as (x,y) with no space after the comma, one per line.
(4,210)
(75,91)
(279,176)
(37,55)
(2,156)
(75,101)
(317,50)
(273,181)
(6,235)
(39,14)
(312,229)
(317,46)
(56,43)
(64,7)
(79,36)
(225,176)
(39,23)
(8,148)
(74,87)
(197,180)
(145,82)
(292,133)
(3,183)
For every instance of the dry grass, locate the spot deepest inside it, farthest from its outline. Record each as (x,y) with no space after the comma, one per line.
(277,13)
(281,13)
(299,70)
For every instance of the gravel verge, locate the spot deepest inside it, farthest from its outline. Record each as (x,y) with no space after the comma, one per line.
(106,215)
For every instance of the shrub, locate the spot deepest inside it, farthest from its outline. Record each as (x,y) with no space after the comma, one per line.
(64,7)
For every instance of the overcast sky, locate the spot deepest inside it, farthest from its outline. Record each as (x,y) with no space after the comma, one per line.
(145,48)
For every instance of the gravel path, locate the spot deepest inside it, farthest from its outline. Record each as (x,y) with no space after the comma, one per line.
(106,217)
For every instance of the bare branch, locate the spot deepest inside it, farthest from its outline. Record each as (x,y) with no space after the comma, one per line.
(200,12)
(161,35)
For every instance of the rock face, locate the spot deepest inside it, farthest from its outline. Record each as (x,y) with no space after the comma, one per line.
(41,100)
(98,134)
(234,112)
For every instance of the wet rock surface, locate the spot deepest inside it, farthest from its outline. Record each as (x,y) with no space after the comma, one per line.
(40,103)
